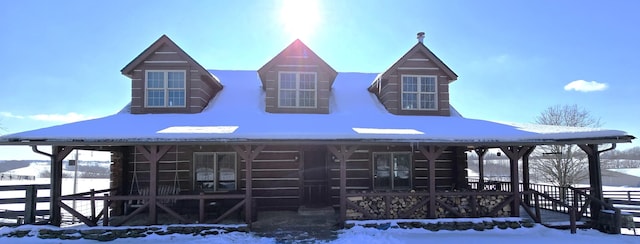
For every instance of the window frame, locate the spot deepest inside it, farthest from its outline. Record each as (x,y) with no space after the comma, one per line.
(216,174)
(297,89)
(418,93)
(392,170)
(165,88)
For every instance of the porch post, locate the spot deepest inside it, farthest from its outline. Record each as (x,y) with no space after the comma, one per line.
(154,154)
(432,153)
(595,178)
(248,153)
(57,156)
(526,179)
(515,153)
(342,155)
(481,152)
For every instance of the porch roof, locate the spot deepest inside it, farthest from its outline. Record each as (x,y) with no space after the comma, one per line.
(237,114)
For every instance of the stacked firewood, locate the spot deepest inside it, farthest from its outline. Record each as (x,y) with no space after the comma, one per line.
(374,207)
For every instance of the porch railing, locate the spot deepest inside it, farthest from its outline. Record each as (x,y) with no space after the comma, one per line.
(20,202)
(100,212)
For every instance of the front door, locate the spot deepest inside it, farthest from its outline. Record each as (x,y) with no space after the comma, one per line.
(315,178)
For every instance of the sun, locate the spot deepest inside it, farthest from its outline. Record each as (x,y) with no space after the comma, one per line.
(300,18)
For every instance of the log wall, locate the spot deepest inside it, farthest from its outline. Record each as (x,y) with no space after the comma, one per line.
(278,172)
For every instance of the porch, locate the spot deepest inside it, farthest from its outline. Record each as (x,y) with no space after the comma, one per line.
(349,189)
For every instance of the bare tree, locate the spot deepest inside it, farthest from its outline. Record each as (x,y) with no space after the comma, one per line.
(563,165)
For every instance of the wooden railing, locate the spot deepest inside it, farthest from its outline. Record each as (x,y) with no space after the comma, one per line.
(29,199)
(93,218)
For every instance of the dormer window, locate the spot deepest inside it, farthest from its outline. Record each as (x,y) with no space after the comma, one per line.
(297,89)
(165,88)
(419,92)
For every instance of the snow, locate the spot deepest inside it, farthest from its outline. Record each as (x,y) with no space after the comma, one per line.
(238,113)
(358,234)
(629,171)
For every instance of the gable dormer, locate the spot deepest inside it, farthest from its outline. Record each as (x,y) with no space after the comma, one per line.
(165,79)
(297,81)
(416,84)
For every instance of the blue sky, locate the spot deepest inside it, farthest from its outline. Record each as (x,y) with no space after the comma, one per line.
(62,60)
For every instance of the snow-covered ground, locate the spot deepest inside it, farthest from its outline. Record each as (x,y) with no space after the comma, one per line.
(536,235)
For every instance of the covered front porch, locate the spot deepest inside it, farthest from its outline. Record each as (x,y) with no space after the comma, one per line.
(343,188)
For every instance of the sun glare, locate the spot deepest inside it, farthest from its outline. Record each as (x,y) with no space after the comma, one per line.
(300,18)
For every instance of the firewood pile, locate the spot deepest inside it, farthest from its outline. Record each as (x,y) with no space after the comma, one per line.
(399,207)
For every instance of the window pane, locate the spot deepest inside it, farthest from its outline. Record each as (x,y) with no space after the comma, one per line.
(205,172)
(382,170)
(401,170)
(409,100)
(287,81)
(410,83)
(176,80)
(226,171)
(427,84)
(176,98)
(287,98)
(155,79)
(155,98)
(307,81)
(307,99)
(427,101)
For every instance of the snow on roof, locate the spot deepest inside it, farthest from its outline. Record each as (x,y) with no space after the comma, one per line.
(237,114)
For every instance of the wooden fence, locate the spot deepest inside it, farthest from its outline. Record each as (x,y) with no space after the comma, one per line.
(29,198)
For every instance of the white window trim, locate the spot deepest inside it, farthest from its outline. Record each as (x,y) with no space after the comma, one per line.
(165,88)
(418,92)
(297,90)
(215,169)
(391,170)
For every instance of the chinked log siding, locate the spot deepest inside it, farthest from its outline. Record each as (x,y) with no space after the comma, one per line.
(277,171)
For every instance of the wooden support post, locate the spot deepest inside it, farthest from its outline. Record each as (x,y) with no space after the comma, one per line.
(526,179)
(57,156)
(105,210)
(515,153)
(481,152)
(93,204)
(30,205)
(201,208)
(595,178)
(432,153)
(248,153)
(153,154)
(343,155)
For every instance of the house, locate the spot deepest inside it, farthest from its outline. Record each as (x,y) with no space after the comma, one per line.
(298,133)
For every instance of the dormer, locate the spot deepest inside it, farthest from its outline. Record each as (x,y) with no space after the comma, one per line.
(416,84)
(165,79)
(297,81)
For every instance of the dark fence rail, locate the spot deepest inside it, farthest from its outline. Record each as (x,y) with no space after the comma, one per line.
(5,176)
(29,199)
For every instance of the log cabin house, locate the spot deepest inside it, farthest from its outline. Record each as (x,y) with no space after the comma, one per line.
(298,133)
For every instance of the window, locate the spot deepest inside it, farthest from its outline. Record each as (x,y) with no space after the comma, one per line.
(215,171)
(419,92)
(165,89)
(297,90)
(392,170)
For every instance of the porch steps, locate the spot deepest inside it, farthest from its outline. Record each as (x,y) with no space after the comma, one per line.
(307,225)
(556,220)
(316,211)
